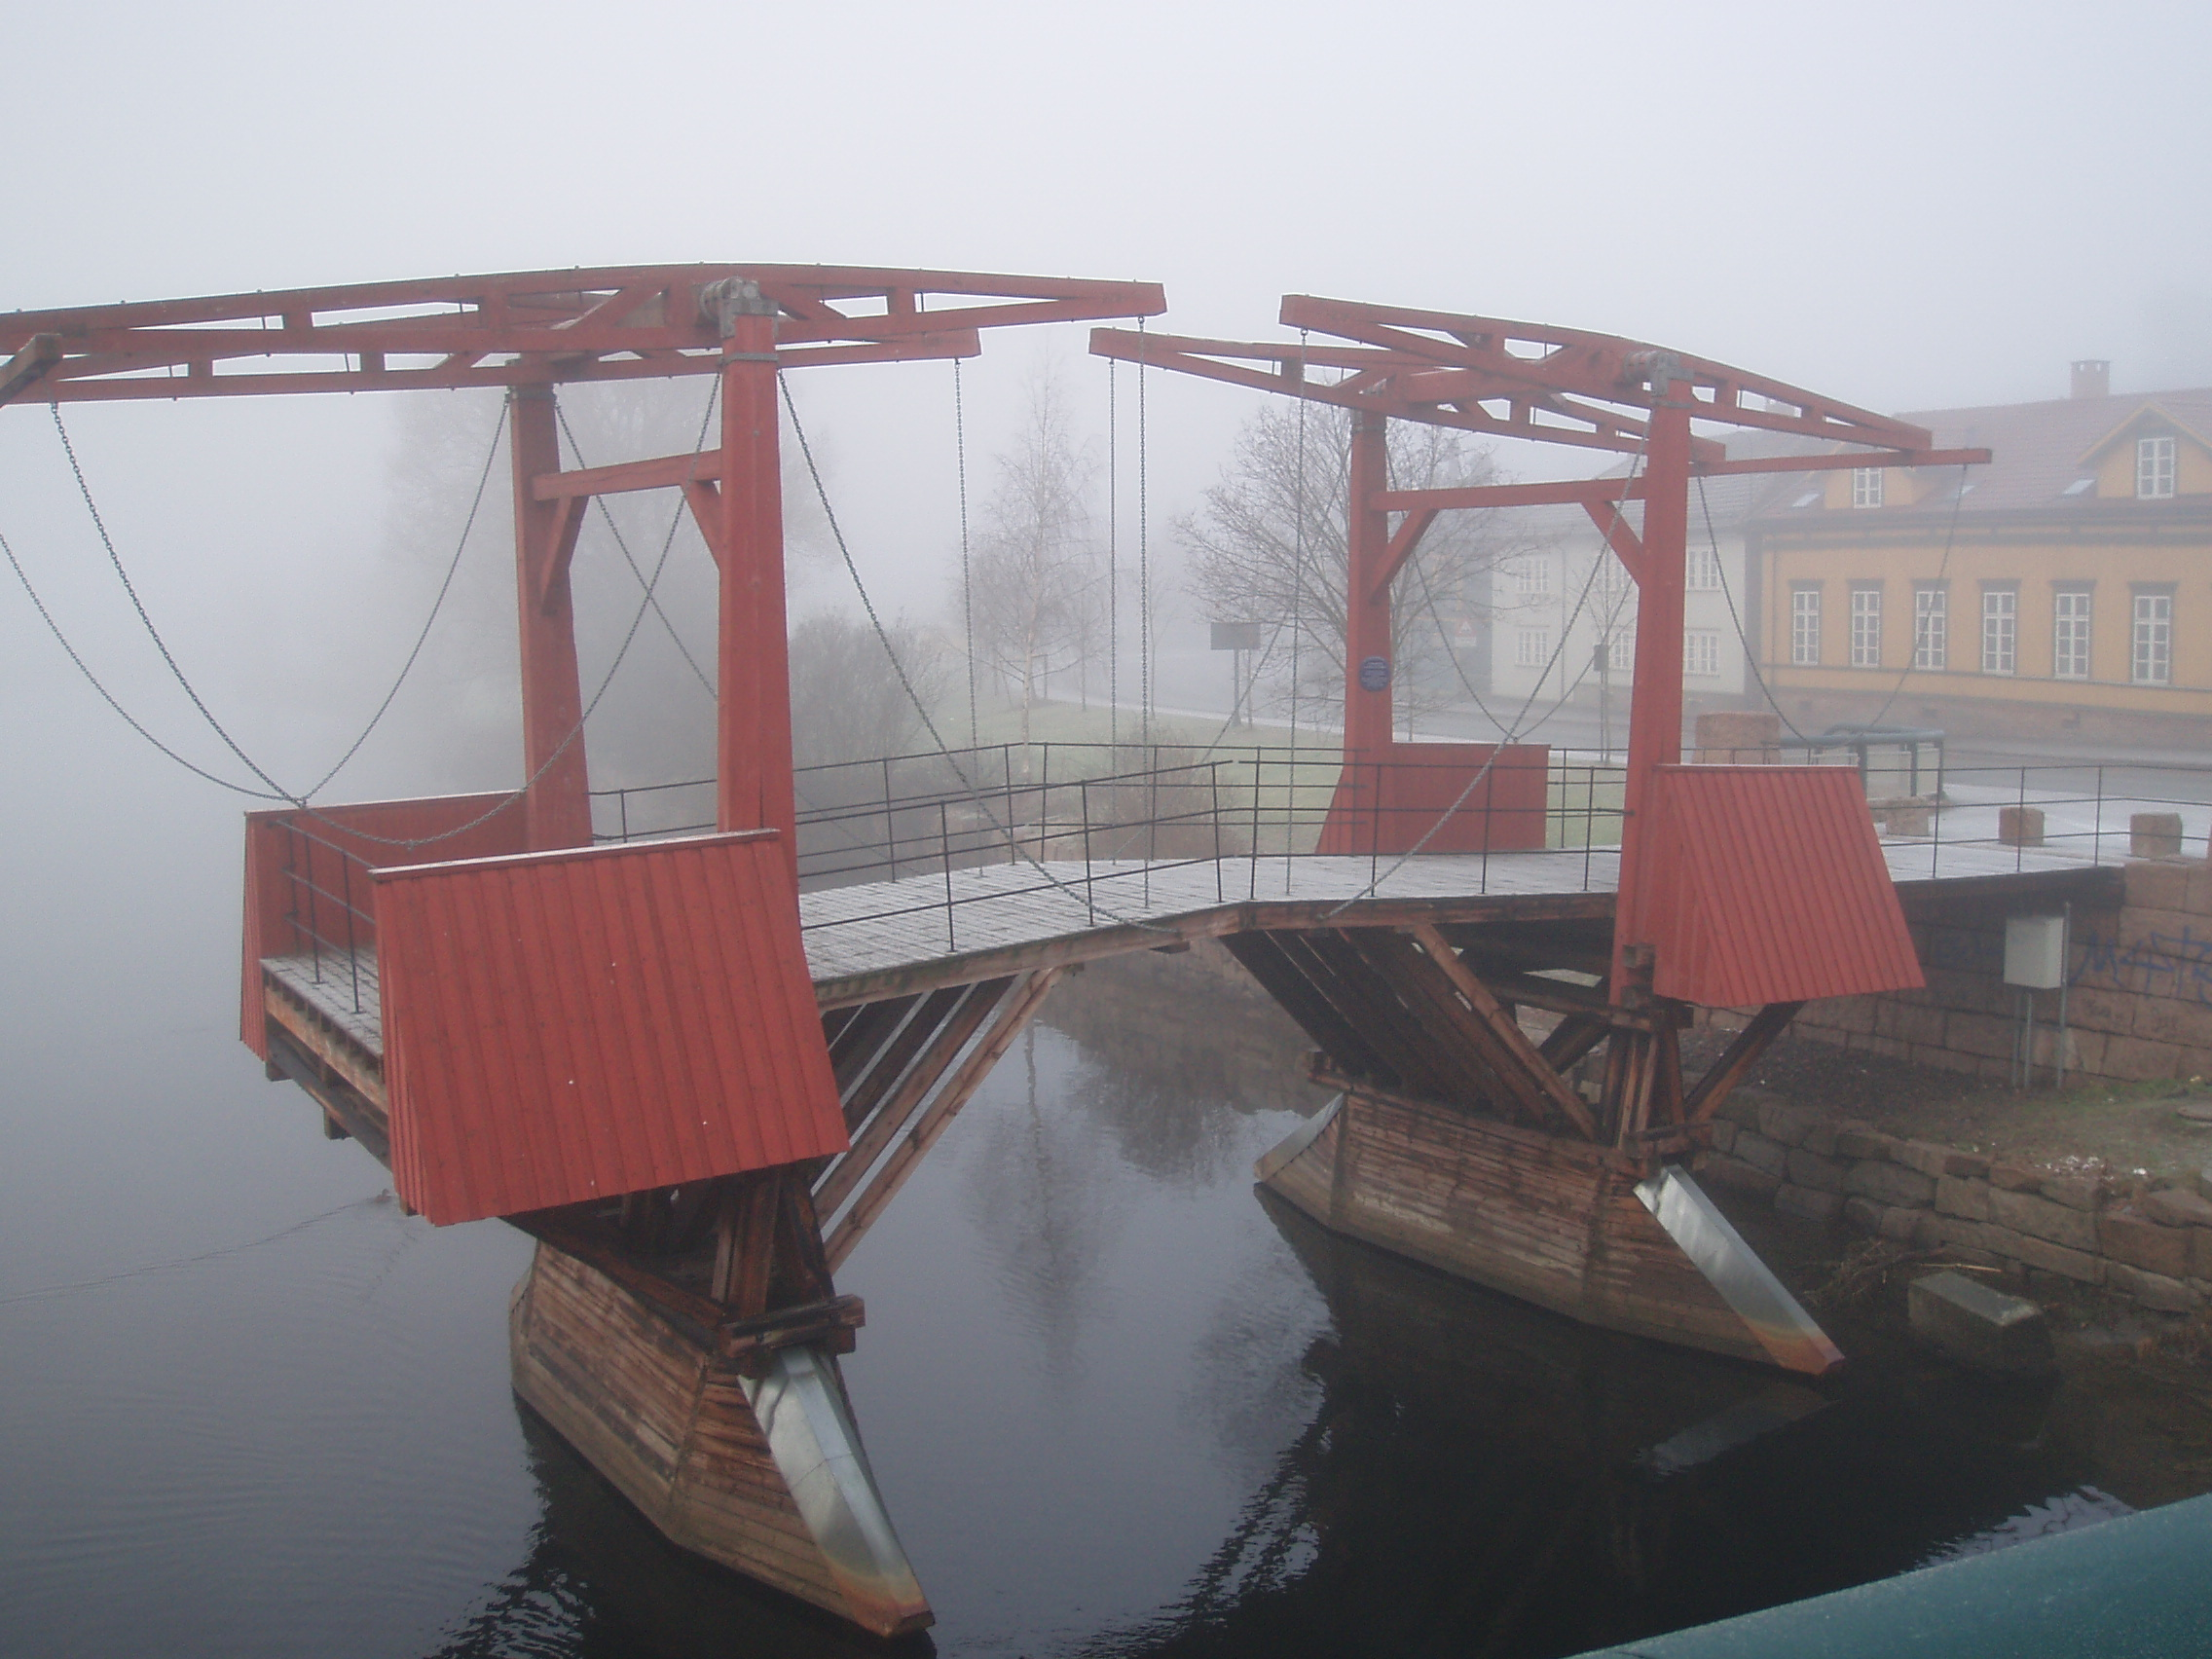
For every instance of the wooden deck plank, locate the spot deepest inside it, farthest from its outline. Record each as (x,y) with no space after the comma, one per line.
(893,938)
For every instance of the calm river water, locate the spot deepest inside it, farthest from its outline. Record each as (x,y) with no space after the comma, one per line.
(1119,1404)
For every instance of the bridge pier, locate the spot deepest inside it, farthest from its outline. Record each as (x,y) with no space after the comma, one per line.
(734,1442)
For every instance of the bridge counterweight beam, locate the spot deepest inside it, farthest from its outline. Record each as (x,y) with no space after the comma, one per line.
(753,722)
(1367,598)
(557,808)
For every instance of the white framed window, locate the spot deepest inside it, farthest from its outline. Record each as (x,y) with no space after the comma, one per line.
(1930,627)
(2070,633)
(2152,662)
(1701,652)
(1805,627)
(1533,576)
(2153,469)
(1620,647)
(1865,485)
(1531,646)
(1866,627)
(1701,571)
(2000,630)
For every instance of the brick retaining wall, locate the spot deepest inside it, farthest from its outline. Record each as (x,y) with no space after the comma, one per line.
(2139,998)
(2142,1240)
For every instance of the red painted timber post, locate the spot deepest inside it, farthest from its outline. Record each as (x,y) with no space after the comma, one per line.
(1655,706)
(1369,671)
(557,809)
(754,722)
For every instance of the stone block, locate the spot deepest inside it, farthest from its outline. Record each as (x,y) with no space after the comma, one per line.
(1933,1231)
(2151,932)
(1852,1014)
(2199,900)
(2138,1058)
(2079,1265)
(1813,1206)
(2178,1206)
(1738,1176)
(1930,1159)
(2020,826)
(2075,1192)
(1811,1169)
(1854,1140)
(1889,1183)
(1865,1214)
(1779,1121)
(2040,1218)
(1899,1223)
(1987,1036)
(2186,1024)
(1741,1107)
(2152,1290)
(1919,1022)
(1981,1327)
(2017,1177)
(2154,835)
(1819,1138)
(2204,1182)
(2126,1235)
(1955,1195)
(1763,1154)
(1723,1134)
(1739,737)
(2100,1010)
(2201,1252)
(2155,886)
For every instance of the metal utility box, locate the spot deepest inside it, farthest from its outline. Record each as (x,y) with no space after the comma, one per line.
(2035,952)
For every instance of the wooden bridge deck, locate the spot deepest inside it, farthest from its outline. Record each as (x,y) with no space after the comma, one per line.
(889,937)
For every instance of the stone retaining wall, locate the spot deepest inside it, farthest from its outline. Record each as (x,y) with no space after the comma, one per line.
(2139,996)
(2147,1240)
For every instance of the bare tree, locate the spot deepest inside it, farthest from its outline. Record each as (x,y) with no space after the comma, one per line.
(1268,546)
(849,699)
(1037,585)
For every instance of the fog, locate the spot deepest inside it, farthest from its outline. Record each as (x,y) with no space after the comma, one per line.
(1895,205)
(1905,209)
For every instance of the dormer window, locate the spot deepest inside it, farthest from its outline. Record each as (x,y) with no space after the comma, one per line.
(1866,485)
(2154,468)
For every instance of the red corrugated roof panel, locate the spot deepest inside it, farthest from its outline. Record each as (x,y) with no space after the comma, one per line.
(569,1025)
(1768,885)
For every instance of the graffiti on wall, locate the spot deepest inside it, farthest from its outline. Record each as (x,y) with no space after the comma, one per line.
(2159,965)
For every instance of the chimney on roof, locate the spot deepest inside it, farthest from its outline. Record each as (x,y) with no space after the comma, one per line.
(2092,377)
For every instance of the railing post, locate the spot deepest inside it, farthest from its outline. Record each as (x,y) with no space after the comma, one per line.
(353,945)
(1090,889)
(1375,837)
(944,849)
(890,823)
(1213,788)
(1252,853)
(2019,844)
(314,919)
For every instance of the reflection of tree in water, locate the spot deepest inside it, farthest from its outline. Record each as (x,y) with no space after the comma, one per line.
(597,1582)
(1041,1196)
(1180,1055)
(1476,1477)
(1247,1381)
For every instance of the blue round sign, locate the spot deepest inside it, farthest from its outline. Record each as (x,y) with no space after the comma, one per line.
(1375,674)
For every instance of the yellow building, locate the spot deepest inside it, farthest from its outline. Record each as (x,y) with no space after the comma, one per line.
(2064,590)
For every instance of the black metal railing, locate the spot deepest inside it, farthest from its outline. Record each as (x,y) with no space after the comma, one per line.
(1099,824)
(329,905)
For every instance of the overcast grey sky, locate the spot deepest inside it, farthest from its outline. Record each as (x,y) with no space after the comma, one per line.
(1904,206)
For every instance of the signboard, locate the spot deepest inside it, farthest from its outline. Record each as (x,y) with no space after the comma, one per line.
(1373,674)
(1237,636)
